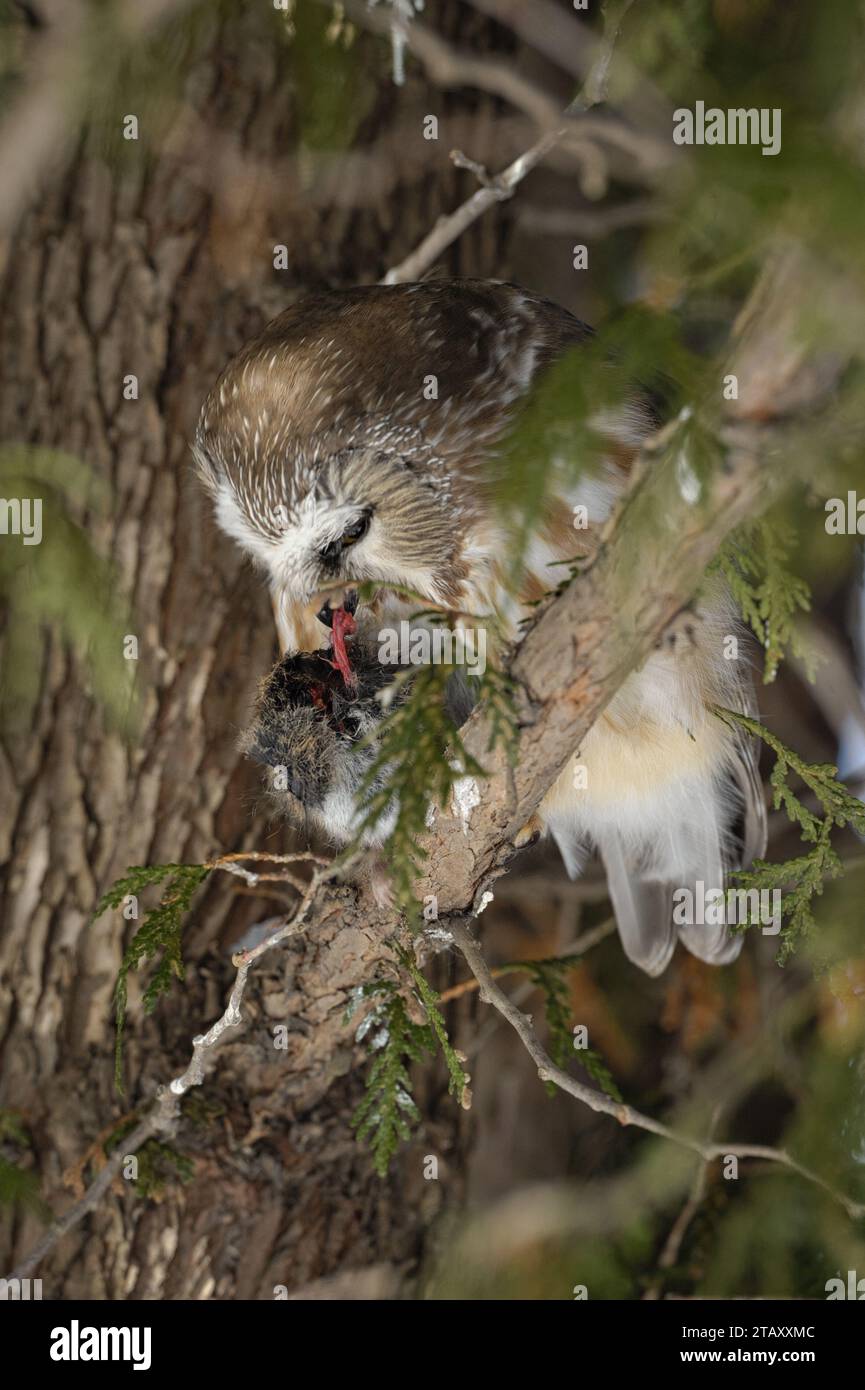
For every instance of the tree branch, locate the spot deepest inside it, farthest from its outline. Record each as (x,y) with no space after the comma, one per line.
(602,1104)
(503,185)
(584,943)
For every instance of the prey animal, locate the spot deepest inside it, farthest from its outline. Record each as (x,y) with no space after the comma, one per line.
(354,442)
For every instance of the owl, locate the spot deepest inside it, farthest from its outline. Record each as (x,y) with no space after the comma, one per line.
(356,441)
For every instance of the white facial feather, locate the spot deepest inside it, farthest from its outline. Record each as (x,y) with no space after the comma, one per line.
(232,519)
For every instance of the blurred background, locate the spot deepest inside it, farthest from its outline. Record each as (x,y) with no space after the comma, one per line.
(172,175)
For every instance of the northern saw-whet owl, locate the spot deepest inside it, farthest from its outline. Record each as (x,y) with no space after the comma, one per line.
(329,465)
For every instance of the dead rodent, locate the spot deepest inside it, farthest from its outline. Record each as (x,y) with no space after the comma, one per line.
(312,730)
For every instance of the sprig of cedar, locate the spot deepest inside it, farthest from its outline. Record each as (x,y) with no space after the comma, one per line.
(420,757)
(549,975)
(755,564)
(801,879)
(19,1187)
(158,938)
(388,1112)
(158,1162)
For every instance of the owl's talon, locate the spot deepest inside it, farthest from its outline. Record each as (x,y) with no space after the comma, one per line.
(529,834)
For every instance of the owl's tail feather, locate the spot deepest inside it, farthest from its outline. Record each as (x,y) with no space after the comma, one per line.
(694,855)
(643,906)
(666,887)
(643,909)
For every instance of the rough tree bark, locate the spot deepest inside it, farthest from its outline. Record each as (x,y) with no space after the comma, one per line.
(162,268)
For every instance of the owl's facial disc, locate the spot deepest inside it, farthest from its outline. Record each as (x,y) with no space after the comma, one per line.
(325,546)
(341,563)
(341,544)
(364,518)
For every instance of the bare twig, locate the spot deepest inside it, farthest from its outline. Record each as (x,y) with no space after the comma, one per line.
(572,45)
(160,1120)
(584,943)
(604,1105)
(678,1231)
(503,185)
(229,863)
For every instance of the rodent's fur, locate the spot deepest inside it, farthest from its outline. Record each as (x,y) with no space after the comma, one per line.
(310,730)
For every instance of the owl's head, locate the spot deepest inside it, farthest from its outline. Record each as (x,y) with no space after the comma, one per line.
(351,440)
(316,519)
(317,488)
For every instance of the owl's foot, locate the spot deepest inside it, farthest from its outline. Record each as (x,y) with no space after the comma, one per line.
(528,834)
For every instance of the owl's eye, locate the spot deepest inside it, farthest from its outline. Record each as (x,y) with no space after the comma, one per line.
(357,530)
(351,535)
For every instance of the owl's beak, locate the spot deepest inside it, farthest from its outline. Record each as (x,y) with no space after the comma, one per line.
(348,601)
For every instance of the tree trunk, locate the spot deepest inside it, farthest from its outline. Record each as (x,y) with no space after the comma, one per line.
(157,259)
